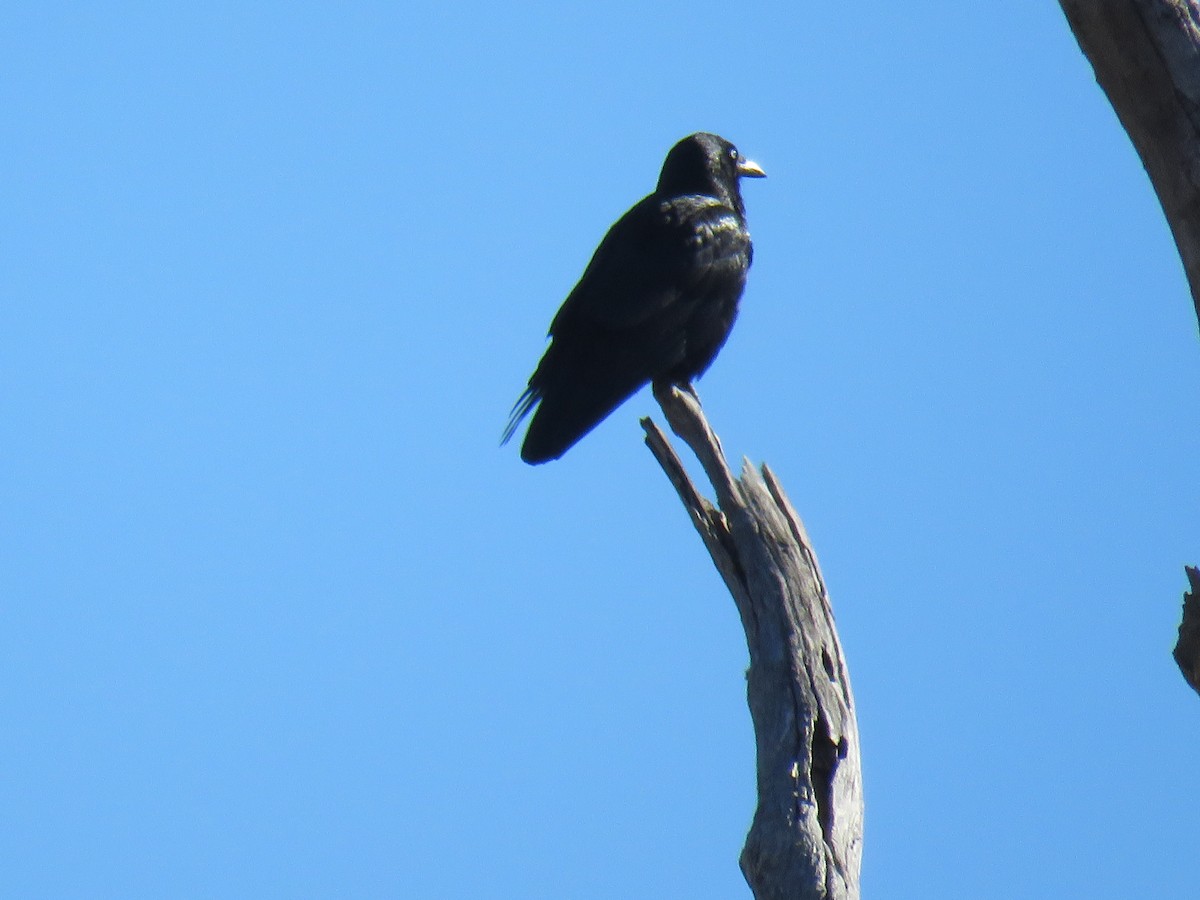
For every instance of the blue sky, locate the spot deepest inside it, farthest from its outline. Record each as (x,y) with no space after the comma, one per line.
(277,616)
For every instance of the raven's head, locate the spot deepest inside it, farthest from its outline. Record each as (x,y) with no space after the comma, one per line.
(705,163)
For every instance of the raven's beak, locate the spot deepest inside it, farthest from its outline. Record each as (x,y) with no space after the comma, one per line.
(748,168)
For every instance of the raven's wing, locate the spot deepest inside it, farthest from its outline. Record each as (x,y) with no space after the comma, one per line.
(625,321)
(658,254)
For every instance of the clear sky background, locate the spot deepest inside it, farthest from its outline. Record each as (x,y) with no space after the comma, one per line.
(280,619)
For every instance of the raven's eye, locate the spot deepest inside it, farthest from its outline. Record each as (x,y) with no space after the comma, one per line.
(733,154)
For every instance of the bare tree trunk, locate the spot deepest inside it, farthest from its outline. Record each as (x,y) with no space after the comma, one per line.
(1146,55)
(806,837)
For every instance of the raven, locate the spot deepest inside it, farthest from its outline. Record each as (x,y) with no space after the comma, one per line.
(656,302)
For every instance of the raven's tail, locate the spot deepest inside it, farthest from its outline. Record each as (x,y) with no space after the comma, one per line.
(573,392)
(519,411)
(560,422)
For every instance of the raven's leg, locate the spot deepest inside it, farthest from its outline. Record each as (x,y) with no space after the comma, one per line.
(664,384)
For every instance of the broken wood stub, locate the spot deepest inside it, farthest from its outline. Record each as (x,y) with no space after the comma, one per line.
(805,840)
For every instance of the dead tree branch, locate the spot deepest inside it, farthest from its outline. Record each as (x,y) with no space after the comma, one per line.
(1187,649)
(1146,56)
(806,837)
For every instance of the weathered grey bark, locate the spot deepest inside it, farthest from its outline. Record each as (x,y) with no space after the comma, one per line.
(1146,56)
(806,837)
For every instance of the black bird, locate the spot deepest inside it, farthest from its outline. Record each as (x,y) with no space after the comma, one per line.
(656,302)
